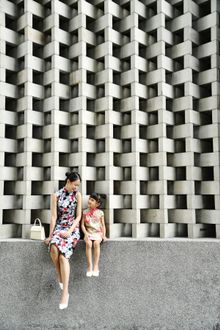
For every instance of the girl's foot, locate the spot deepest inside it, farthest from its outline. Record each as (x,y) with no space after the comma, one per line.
(95,273)
(88,273)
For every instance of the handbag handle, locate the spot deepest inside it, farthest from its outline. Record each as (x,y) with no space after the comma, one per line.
(37,220)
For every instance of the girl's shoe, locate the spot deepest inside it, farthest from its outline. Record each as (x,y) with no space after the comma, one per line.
(61,285)
(95,273)
(89,274)
(63,306)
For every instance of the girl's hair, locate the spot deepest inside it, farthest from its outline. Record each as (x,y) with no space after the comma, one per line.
(98,198)
(72,176)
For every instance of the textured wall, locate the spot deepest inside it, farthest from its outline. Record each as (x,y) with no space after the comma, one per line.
(126,92)
(153,284)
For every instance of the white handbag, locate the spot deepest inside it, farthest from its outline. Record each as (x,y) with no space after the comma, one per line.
(37,231)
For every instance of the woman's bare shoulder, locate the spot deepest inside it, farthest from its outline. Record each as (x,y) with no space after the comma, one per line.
(78,195)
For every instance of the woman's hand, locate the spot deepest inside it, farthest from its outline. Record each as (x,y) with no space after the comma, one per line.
(47,240)
(65,234)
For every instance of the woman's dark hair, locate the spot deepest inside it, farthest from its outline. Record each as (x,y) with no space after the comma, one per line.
(72,176)
(98,198)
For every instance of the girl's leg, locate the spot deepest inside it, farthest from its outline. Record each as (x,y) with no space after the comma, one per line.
(89,255)
(54,253)
(96,255)
(65,274)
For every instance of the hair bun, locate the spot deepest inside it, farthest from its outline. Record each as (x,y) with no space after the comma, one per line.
(72,176)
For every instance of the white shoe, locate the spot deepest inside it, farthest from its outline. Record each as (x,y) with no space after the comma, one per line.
(61,285)
(95,273)
(88,274)
(63,306)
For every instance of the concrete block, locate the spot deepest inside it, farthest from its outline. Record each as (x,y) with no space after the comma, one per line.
(125,93)
(10,230)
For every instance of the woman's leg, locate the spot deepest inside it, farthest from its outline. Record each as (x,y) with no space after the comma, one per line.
(89,255)
(54,253)
(96,255)
(65,274)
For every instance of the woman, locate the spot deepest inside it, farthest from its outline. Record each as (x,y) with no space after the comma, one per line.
(66,209)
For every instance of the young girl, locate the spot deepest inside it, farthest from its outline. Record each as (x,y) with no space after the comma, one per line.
(93,227)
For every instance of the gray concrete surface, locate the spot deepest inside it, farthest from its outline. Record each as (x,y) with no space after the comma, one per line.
(150,284)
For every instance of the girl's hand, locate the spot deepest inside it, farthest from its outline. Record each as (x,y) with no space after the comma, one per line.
(86,237)
(65,234)
(47,240)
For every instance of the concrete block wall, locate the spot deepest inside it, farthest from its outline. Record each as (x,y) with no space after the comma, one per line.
(125,92)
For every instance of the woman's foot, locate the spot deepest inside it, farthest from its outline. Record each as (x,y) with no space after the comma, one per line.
(64,301)
(60,281)
(64,305)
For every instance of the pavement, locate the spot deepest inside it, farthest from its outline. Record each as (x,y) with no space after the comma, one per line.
(149,284)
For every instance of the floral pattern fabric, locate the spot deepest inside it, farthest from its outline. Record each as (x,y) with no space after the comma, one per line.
(66,213)
(93,224)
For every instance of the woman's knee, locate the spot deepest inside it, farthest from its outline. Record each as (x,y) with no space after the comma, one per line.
(54,252)
(62,258)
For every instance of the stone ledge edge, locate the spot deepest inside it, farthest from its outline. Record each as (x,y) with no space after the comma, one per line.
(125,239)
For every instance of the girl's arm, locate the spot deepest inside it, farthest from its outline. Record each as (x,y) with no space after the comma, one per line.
(83,227)
(53,217)
(103,228)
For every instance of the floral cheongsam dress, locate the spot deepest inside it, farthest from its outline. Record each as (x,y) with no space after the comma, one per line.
(66,213)
(93,224)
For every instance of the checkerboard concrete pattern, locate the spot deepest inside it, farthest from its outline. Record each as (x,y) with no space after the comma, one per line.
(127,93)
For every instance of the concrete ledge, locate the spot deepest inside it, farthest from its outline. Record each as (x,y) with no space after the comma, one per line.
(150,284)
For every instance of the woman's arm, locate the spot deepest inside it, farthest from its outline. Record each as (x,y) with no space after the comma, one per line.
(53,208)
(78,213)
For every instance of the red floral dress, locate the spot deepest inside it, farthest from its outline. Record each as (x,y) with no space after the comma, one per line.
(66,213)
(93,223)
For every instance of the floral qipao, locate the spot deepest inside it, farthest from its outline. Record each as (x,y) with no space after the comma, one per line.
(93,223)
(66,213)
